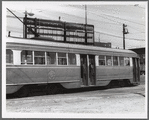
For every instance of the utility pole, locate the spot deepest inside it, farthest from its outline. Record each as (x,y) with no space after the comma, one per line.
(25,22)
(85,14)
(85,24)
(125,31)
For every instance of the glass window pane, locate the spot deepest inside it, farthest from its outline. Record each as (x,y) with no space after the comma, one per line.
(101,60)
(9,56)
(51,58)
(26,57)
(39,57)
(62,59)
(121,59)
(108,61)
(126,61)
(115,60)
(101,57)
(72,59)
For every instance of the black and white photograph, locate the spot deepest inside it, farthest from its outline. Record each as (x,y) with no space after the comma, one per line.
(74,59)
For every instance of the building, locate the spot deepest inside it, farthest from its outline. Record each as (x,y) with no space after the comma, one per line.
(101,44)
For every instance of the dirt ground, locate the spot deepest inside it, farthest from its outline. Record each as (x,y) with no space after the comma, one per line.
(127,102)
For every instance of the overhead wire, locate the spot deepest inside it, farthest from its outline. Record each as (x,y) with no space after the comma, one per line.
(118,22)
(133,28)
(104,17)
(108,23)
(88,18)
(137,33)
(114,17)
(119,36)
(124,19)
(135,39)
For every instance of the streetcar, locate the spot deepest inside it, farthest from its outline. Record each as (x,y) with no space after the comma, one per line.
(57,54)
(34,62)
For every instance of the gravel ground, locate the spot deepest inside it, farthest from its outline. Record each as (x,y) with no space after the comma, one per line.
(81,107)
(124,102)
(73,104)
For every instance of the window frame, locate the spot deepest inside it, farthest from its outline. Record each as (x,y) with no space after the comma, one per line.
(116,61)
(27,63)
(10,57)
(62,57)
(120,61)
(111,61)
(75,59)
(55,61)
(102,59)
(125,62)
(40,57)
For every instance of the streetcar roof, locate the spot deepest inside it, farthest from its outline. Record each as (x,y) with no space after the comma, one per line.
(64,45)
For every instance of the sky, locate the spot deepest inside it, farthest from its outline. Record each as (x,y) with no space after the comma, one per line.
(107,17)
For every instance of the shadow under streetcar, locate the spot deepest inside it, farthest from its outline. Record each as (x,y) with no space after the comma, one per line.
(53,89)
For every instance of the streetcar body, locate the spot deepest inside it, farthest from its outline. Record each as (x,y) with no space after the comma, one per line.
(34,62)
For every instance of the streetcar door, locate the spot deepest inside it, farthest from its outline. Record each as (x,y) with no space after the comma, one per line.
(84,70)
(92,70)
(136,71)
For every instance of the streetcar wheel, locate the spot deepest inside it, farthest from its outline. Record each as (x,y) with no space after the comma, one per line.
(23,92)
(128,83)
(51,89)
(122,83)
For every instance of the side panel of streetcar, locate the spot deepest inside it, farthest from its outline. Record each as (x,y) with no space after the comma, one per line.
(42,75)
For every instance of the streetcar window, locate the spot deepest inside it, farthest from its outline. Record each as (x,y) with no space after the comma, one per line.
(101,60)
(51,58)
(121,61)
(9,56)
(39,57)
(71,59)
(126,61)
(62,59)
(108,61)
(115,60)
(26,57)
